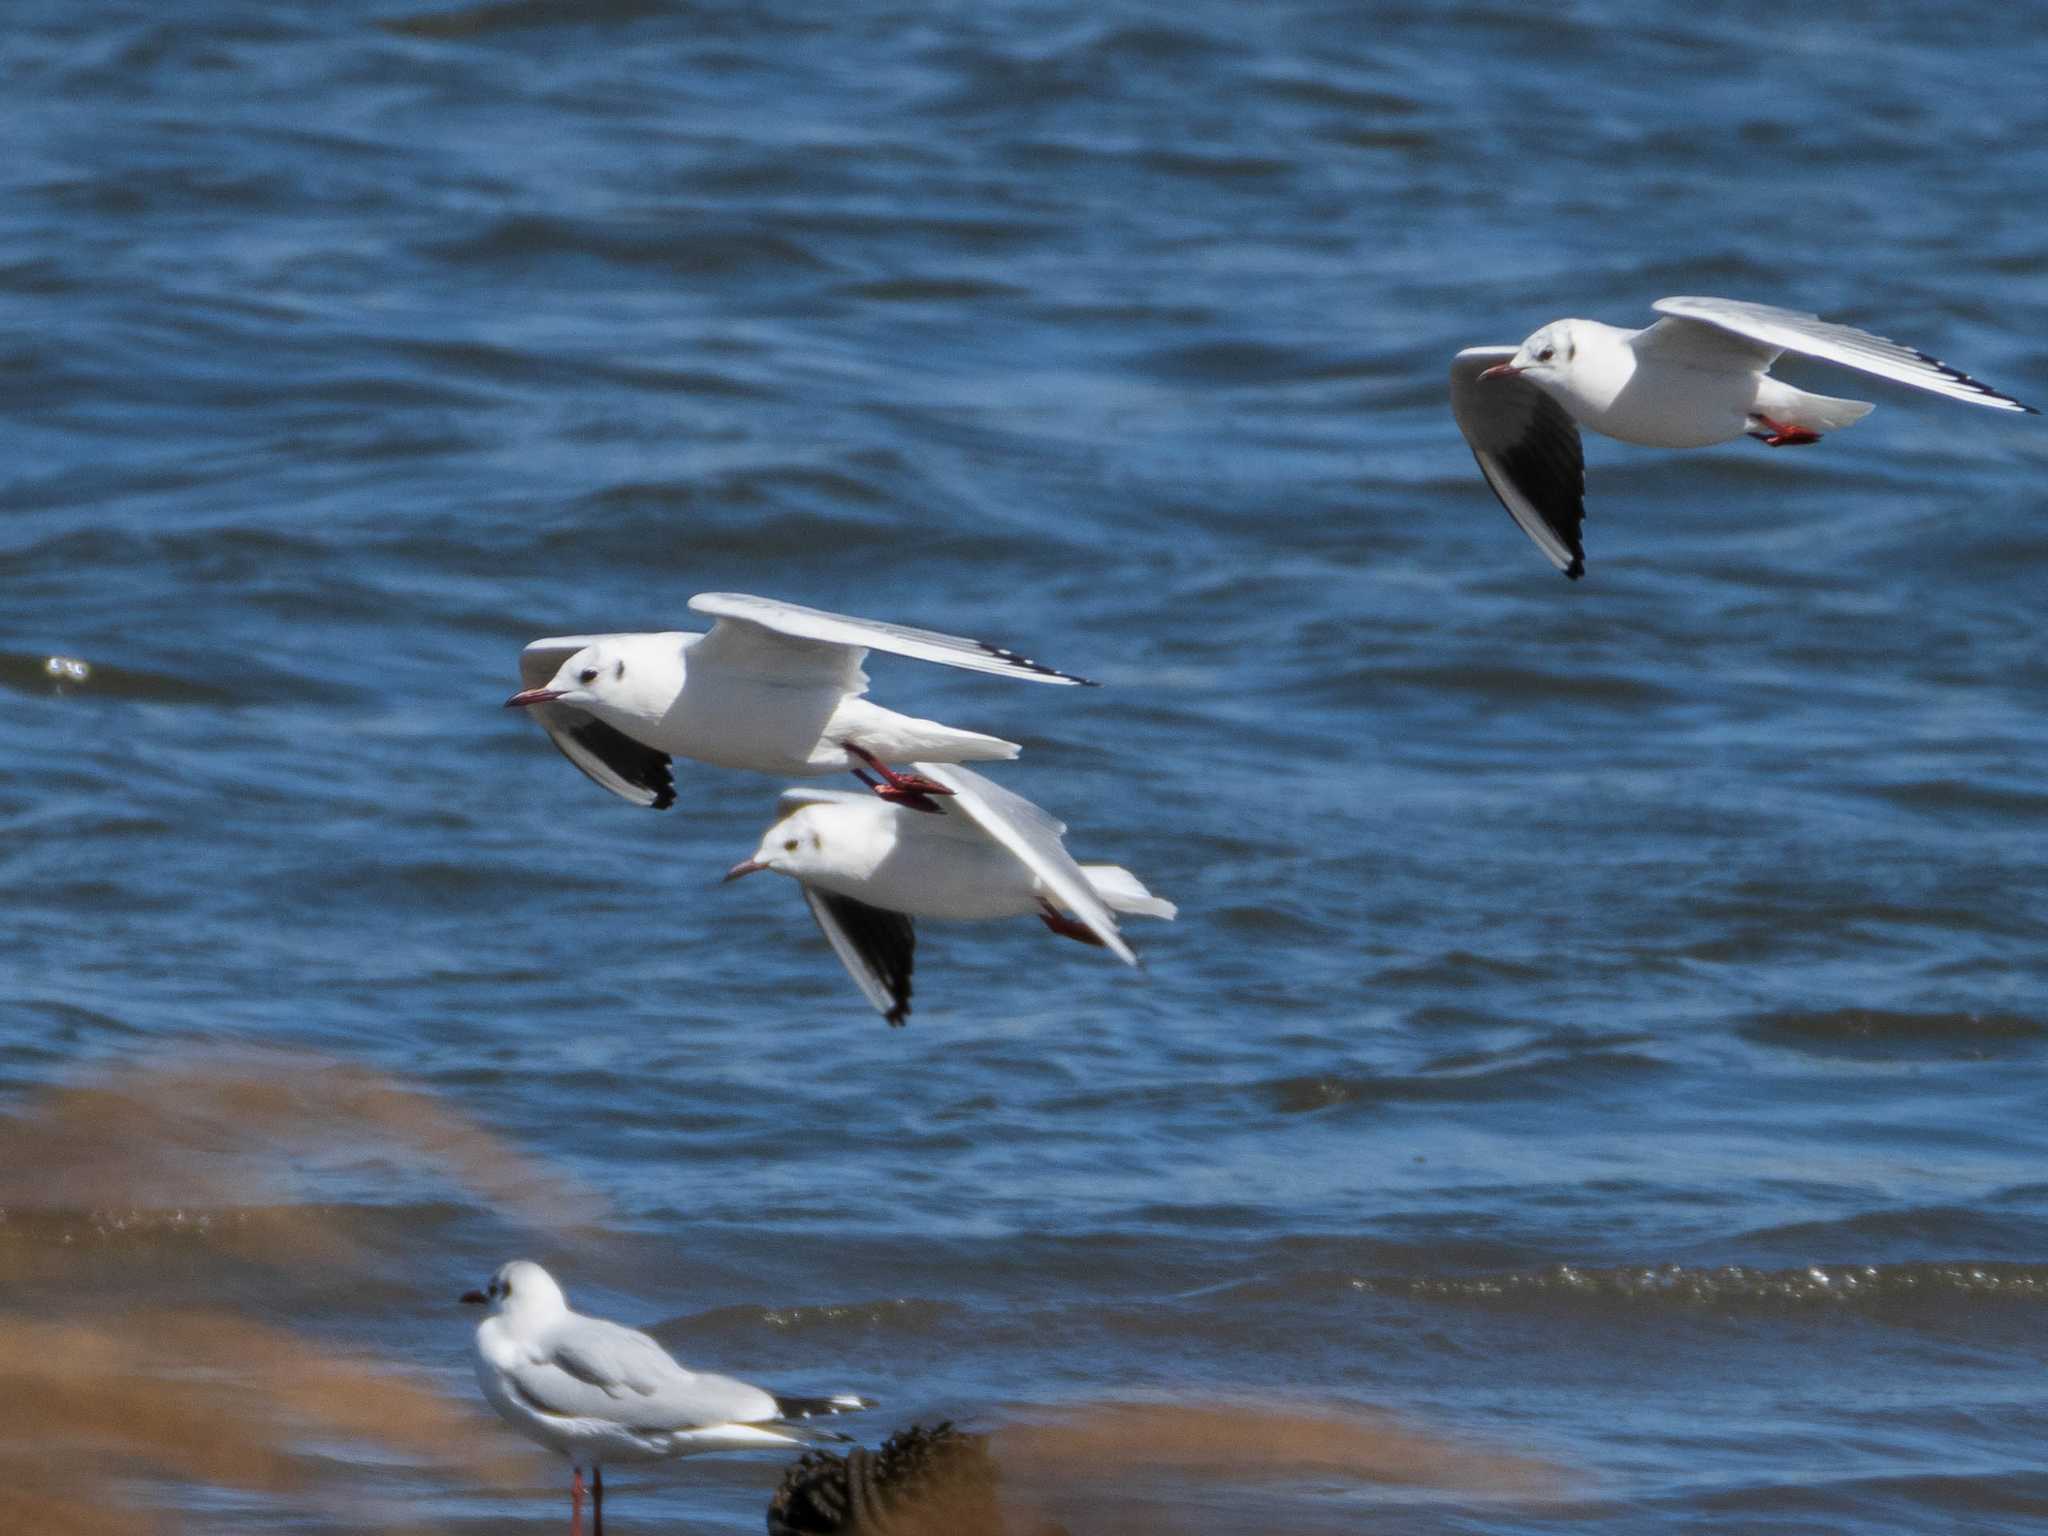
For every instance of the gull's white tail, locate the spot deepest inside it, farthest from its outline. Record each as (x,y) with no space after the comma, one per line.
(965,746)
(1816,413)
(898,738)
(1125,892)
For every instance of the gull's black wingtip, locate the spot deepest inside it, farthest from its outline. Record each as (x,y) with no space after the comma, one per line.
(798,1409)
(1576,569)
(1037,668)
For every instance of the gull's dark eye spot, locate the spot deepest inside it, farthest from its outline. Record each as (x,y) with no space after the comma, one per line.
(790,846)
(587,675)
(619,670)
(1546,354)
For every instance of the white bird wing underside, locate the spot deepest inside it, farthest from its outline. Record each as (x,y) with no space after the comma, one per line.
(877,947)
(1527,446)
(765,637)
(607,756)
(595,1369)
(1033,836)
(1709,324)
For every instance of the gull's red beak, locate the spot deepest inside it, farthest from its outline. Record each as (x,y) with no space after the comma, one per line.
(475,1299)
(1500,371)
(528,696)
(744,867)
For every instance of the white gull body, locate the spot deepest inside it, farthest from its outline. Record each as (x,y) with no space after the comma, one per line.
(868,868)
(772,687)
(1699,376)
(598,1392)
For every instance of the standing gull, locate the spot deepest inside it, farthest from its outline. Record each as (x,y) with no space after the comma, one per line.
(867,869)
(1699,376)
(600,1392)
(772,687)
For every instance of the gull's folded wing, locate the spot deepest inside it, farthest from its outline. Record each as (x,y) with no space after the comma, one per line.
(877,948)
(1033,836)
(602,1370)
(1790,330)
(607,756)
(762,634)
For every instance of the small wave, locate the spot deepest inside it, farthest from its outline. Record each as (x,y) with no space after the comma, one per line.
(1969,796)
(33,672)
(520,16)
(1216,167)
(1459,968)
(786,487)
(40,276)
(1406,140)
(1865,1031)
(908,1314)
(1233,363)
(1902,1233)
(929,290)
(1525,685)
(933,234)
(1731,1285)
(1315,92)
(1481,1077)
(1155,42)
(674,245)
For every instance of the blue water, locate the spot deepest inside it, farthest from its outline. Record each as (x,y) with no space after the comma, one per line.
(1605,1021)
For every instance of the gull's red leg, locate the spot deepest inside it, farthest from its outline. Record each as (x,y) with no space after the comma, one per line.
(910,789)
(576,1504)
(1779,434)
(596,1501)
(1065,926)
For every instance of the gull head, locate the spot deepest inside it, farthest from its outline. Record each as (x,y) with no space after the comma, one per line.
(1545,358)
(802,844)
(520,1287)
(634,677)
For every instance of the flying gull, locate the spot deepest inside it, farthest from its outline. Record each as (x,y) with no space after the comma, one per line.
(867,869)
(773,687)
(1696,377)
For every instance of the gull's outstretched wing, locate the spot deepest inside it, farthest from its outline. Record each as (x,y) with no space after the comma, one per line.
(878,948)
(1527,446)
(609,757)
(1033,836)
(762,636)
(1772,330)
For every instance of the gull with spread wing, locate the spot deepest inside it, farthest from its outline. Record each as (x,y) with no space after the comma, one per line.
(773,687)
(1698,376)
(599,1392)
(867,869)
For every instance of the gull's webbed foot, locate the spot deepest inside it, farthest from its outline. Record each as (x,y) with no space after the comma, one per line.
(911,789)
(1779,434)
(1065,926)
